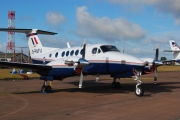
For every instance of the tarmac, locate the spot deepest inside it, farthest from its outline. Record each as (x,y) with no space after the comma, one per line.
(22,99)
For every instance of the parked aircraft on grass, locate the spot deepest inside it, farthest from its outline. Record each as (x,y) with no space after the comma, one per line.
(57,64)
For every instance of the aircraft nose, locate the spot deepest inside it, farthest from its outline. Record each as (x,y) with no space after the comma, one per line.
(136,61)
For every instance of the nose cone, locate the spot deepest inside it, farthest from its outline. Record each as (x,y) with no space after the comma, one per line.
(123,62)
(132,60)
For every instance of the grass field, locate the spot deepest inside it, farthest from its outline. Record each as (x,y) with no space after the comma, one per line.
(5,73)
(168,68)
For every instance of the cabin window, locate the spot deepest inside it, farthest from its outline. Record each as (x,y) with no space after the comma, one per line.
(56,55)
(50,55)
(67,53)
(94,50)
(63,53)
(76,53)
(72,52)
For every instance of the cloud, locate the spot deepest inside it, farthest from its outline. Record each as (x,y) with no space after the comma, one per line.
(55,18)
(3,47)
(157,40)
(165,6)
(106,28)
(57,41)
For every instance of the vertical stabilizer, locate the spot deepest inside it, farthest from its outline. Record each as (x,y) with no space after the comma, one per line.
(34,43)
(175,49)
(173,45)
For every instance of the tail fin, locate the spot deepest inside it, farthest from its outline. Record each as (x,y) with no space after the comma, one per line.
(34,43)
(175,49)
(173,45)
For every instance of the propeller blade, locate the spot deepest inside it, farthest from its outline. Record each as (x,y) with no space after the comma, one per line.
(84,49)
(155,75)
(81,80)
(157,54)
(83,56)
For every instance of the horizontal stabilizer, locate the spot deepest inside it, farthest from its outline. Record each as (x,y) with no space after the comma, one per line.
(27,31)
(170,50)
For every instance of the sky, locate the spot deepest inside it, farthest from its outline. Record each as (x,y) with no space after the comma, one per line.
(135,26)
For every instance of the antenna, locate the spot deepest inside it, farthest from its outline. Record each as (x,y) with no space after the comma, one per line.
(11,25)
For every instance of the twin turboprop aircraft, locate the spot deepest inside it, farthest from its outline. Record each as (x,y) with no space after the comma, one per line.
(57,64)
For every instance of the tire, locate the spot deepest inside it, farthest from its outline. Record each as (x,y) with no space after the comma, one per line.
(48,89)
(113,85)
(43,89)
(118,85)
(139,91)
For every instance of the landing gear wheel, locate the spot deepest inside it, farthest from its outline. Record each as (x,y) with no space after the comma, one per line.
(116,85)
(139,91)
(43,89)
(48,89)
(113,85)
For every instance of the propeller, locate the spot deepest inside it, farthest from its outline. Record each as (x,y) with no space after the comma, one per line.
(83,57)
(156,63)
(155,71)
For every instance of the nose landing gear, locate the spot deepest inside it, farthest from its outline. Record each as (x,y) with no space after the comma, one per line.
(139,91)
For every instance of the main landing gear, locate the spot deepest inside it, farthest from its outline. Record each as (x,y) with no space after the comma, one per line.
(115,84)
(139,91)
(46,88)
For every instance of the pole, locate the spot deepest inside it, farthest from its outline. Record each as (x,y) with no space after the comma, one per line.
(21,55)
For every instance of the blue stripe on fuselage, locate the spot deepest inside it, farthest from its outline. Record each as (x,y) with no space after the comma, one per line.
(92,68)
(39,62)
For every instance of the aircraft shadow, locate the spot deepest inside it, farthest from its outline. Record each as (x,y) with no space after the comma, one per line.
(105,88)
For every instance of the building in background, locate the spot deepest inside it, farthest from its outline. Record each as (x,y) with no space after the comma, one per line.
(17,57)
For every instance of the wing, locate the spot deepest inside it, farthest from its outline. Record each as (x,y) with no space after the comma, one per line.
(25,65)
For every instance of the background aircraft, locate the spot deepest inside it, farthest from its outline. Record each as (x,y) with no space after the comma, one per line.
(57,64)
(175,49)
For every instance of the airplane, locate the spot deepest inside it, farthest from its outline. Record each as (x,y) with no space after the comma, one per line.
(153,63)
(175,49)
(58,64)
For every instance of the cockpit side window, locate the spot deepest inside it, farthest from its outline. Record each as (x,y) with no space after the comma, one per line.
(99,51)
(107,48)
(94,50)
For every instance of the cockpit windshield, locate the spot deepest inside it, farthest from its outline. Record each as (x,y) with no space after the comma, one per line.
(107,48)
